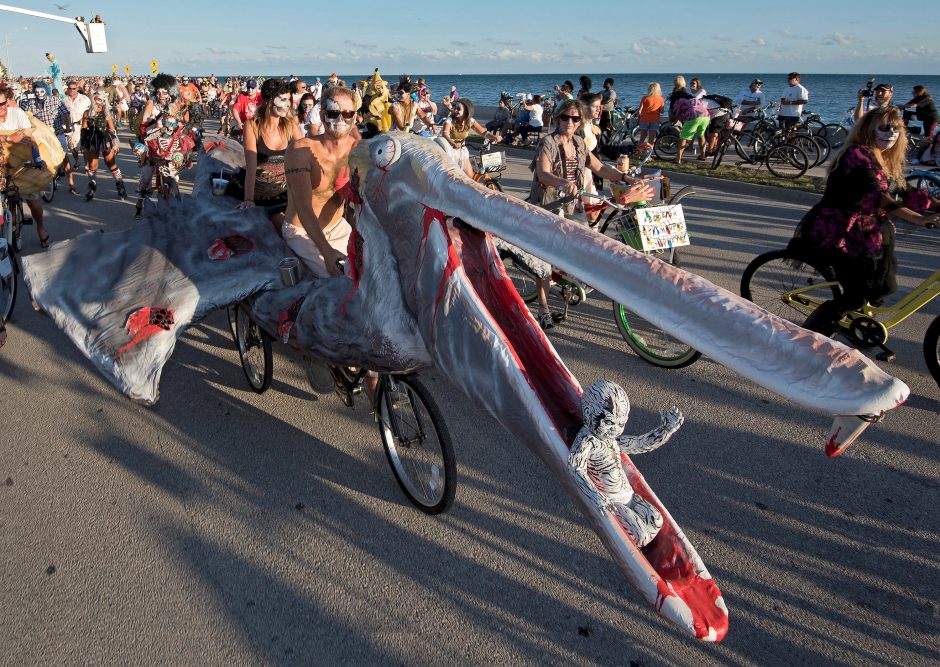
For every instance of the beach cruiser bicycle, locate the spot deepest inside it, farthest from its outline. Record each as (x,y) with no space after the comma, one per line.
(488,166)
(646,339)
(411,427)
(782,159)
(792,287)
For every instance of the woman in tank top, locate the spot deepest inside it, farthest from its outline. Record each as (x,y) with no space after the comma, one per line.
(267,137)
(456,130)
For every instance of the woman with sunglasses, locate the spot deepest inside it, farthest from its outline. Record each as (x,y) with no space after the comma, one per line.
(560,161)
(405,110)
(850,229)
(97,140)
(455,131)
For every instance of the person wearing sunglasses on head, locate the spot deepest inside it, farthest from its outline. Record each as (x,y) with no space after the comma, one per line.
(560,161)
(850,229)
(317,168)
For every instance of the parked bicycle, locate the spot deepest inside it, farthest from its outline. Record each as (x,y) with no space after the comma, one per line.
(488,166)
(783,160)
(792,287)
(411,427)
(925,179)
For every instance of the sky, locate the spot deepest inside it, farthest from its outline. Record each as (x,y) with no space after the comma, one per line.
(601,36)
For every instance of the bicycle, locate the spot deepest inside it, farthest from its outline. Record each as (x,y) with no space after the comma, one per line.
(791,287)
(49,193)
(646,339)
(836,133)
(411,427)
(925,179)
(488,166)
(783,160)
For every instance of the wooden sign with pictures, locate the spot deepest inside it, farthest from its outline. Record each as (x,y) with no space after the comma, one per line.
(662,227)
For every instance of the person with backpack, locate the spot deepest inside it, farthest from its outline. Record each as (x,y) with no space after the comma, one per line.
(719,108)
(695,119)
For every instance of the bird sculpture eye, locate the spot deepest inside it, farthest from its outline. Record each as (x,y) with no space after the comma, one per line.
(385,151)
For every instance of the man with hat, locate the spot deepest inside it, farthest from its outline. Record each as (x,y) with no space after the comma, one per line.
(879,98)
(750,98)
(246,105)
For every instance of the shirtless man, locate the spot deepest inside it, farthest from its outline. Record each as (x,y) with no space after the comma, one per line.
(314,227)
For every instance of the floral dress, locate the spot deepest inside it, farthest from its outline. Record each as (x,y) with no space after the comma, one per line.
(849,229)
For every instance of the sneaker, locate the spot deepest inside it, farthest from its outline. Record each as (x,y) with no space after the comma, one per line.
(545,321)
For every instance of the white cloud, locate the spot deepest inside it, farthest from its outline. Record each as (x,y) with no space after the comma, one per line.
(841,38)
(638,49)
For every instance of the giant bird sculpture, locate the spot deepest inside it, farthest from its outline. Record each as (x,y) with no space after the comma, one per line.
(425,287)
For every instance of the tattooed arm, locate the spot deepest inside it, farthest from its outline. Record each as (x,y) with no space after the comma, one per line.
(641,444)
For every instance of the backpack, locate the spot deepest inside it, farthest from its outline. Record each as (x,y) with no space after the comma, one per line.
(690,108)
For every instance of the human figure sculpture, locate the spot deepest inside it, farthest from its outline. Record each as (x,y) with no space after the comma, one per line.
(595,462)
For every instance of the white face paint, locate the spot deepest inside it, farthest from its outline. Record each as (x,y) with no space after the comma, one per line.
(339,126)
(162,95)
(886,136)
(282,105)
(40,93)
(458,111)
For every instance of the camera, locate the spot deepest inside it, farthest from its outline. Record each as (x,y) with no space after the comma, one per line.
(867,92)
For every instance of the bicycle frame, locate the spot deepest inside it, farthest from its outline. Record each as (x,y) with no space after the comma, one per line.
(913,301)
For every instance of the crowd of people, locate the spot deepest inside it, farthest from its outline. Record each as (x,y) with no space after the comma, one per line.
(297,138)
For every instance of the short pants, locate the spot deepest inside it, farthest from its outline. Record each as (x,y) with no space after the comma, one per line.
(694,128)
(303,246)
(649,125)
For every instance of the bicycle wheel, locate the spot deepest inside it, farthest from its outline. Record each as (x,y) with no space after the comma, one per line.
(666,146)
(49,192)
(787,161)
(232,312)
(808,145)
(8,273)
(769,280)
(16,227)
(522,279)
(8,226)
(493,184)
(932,349)
(749,146)
(834,133)
(417,443)
(647,340)
(924,181)
(254,350)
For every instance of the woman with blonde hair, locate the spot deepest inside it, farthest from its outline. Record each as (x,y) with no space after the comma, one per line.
(850,229)
(651,108)
(267,137)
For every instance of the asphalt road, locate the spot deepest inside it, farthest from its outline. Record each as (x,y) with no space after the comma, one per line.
(223,527)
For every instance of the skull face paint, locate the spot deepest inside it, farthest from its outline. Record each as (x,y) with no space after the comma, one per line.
(40,93)
(281,105)
(333,122)
(163,95)
(458,111)
(886,136)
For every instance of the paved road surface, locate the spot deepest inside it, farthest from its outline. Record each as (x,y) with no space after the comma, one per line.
(223,527)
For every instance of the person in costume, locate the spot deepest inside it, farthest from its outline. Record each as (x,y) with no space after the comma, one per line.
(98,139)
(456,130)
(267,138)
(375,106)
(15,128)
(405,110)
(55,73)
(595,463)
(162,138)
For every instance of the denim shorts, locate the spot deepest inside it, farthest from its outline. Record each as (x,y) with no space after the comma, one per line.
(651,125)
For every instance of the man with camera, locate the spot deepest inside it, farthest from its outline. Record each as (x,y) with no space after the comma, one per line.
(870,98)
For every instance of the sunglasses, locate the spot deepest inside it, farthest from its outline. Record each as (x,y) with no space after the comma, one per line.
(570,119)
(892,127)
(334,115)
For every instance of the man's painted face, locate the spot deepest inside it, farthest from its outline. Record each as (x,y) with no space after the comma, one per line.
(281,105)
(40,93)
(162,95)
(338,116)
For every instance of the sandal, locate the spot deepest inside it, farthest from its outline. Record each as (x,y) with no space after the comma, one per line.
(44,242)
(73,190)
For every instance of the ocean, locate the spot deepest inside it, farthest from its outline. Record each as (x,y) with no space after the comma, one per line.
(830,95)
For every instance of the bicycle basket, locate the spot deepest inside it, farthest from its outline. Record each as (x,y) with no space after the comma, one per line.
(488,162)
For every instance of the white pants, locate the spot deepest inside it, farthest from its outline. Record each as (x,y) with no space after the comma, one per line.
(303,246)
